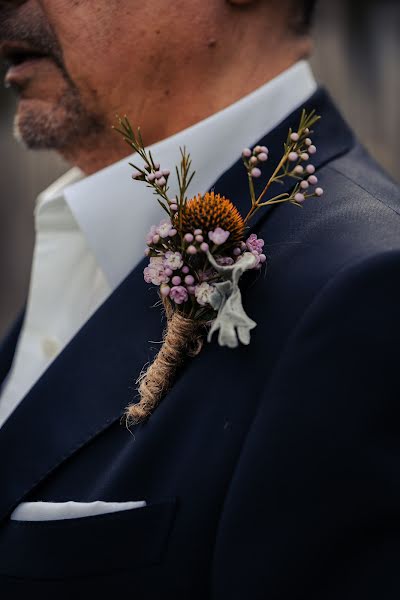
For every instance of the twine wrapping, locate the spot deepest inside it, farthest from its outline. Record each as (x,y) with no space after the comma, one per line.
(183,337)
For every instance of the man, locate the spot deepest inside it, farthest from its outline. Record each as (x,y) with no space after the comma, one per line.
(268,471)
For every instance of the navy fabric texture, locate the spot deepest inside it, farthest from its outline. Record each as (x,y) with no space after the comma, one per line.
(270,471)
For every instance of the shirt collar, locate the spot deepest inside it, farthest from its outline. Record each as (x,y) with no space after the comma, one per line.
(115,213)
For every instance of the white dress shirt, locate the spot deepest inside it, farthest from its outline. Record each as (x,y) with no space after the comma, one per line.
(90,231)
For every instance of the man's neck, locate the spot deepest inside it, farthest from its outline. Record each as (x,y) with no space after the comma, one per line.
(165,114)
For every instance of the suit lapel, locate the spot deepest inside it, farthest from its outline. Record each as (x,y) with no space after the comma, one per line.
(87,388)
(8,347)
(82,393)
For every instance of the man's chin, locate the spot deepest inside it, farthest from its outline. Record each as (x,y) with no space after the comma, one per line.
(36,123)
(40,124)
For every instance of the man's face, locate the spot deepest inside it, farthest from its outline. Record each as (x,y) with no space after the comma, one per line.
(75,63)
(40,41)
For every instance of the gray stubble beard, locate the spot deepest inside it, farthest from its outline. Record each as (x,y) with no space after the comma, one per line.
(66,124)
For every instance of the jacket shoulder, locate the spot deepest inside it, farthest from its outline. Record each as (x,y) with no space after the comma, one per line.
(362,173)
(332,246)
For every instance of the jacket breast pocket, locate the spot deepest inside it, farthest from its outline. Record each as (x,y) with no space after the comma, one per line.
(86,546)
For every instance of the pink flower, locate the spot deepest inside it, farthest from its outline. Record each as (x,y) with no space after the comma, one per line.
(155,272)
(260,260)
(218,236)
(255,244)
(173,260)
(147,275)
(151,234)
(179,294)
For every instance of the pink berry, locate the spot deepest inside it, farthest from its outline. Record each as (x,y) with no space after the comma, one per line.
(199,238)
(158,174)
(308,142)
(166,172)
(263,157)
(162,181)
(172,232)
(156,238)
(204,247)
(299,197)
(191,289)
(304,185)
(299,170)
(246,153)
(313,180)
(264,149)
(191,250)
(319,191)
(165,290)
(168,272)
(312,149)
(262,258)
(237,252)
(293,156)
(188,237)
(189,280)
(305,156)
(255,172)
(253,160)
(310,169)
(198,232)
(185,269)
(176,280)
(151,177)
(257,150)
(174,207)
(295,137)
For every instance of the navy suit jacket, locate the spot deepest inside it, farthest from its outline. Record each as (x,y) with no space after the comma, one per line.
(271,471)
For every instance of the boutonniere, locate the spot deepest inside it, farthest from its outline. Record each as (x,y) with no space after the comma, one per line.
(199,252)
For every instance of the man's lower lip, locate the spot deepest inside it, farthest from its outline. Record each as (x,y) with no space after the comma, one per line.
(19,73)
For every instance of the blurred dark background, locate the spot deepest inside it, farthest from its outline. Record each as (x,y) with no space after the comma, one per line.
(356,56)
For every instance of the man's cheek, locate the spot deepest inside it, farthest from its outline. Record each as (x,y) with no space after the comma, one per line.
(67,15)
(66,19)
(79,29)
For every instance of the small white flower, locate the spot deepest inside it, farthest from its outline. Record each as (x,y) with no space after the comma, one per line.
(173,260)
(203,293)
(164,229)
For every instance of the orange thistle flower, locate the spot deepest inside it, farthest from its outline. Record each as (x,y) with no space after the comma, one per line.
(211,211)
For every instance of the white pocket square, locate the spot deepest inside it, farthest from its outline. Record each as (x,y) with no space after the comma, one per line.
(56,511)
